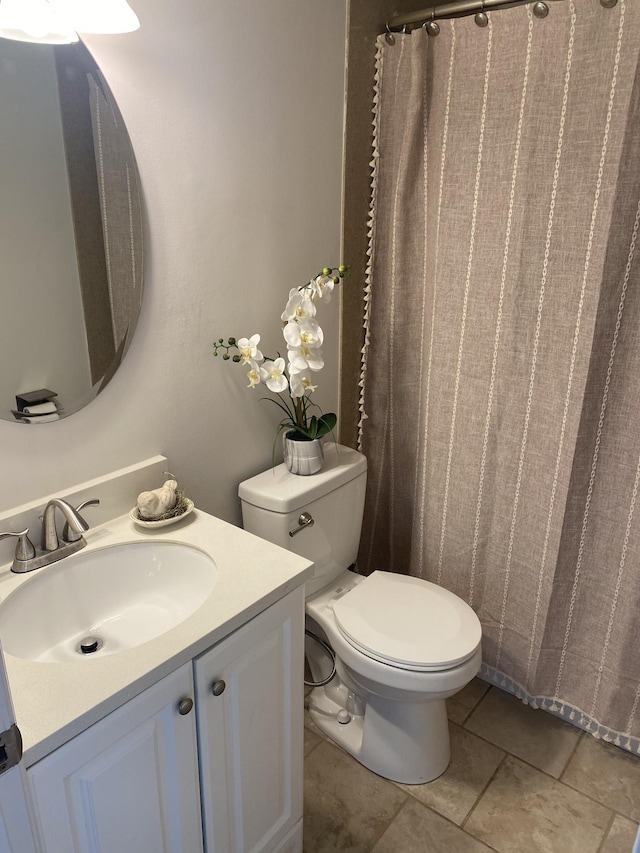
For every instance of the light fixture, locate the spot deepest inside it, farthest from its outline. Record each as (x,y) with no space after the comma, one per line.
(35,21)
(98,16)
(60,21)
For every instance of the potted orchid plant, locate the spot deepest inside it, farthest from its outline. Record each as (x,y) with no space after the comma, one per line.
(293,380)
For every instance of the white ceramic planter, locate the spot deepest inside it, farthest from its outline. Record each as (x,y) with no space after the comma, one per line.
(302,456)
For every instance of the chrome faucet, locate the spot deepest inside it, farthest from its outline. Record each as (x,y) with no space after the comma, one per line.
(28,557)
(49,533)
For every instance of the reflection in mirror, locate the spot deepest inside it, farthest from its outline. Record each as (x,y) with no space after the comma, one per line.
(71,230)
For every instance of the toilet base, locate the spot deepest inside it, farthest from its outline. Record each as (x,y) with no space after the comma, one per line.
(405,742)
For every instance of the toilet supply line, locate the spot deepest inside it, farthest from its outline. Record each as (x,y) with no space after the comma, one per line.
(331,654)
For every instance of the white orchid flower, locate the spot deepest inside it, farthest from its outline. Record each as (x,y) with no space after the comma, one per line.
(323,287)
(253,374)
(303,358)
(305,334)
(301,384)
(299,306)
(249,349)
(273,375)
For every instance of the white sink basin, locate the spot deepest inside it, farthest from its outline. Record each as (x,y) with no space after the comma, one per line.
(122,595)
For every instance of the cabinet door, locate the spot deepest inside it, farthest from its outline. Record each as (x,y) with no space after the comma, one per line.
(16,833)
(129,784)
(250,734)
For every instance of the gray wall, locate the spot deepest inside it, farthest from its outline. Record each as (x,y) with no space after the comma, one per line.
(235,112)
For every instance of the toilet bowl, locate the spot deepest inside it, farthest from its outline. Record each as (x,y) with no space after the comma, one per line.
(393,674)
(402,645)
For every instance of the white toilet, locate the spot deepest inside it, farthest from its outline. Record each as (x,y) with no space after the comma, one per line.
(402,645)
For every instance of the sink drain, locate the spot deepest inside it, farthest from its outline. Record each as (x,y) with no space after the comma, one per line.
(89,645)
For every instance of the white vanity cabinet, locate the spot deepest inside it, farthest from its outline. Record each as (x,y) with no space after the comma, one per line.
(129,783)
(250,733)
(134,782)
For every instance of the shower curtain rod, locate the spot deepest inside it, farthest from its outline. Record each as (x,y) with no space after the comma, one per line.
(457,9)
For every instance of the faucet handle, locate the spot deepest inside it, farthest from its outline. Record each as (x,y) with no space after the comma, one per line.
(24,546)
(69,535)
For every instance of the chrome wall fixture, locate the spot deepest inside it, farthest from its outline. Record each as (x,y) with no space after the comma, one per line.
(428,18)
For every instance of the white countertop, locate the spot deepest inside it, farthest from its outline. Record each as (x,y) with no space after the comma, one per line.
(56,701)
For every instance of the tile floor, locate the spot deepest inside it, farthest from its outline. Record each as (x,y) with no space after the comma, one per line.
(519,781)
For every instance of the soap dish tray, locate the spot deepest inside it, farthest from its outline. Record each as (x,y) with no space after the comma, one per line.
(164,522)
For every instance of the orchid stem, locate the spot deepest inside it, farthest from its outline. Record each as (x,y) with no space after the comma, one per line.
(300,413)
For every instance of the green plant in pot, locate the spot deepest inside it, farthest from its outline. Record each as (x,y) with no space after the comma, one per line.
(304,424)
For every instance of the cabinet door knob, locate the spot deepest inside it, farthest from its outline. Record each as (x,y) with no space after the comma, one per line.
(185,705)
(218,687)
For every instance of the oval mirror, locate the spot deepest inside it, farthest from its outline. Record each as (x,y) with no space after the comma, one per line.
(71,232)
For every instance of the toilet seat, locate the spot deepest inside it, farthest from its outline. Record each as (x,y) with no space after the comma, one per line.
(408,623)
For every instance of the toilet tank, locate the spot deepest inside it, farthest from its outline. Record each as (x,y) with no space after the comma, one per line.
(272,503)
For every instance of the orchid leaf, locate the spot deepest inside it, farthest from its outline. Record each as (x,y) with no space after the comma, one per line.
(326,423)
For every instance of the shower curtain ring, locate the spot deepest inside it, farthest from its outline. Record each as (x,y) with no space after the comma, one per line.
(482,19)
(432,27)
(389,36)
(540,9)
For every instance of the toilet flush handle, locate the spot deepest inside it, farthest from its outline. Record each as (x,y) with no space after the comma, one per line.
(304,520)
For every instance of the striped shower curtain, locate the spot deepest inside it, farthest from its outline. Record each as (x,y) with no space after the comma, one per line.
(501,368)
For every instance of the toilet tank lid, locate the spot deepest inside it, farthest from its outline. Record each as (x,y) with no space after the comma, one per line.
(280,491)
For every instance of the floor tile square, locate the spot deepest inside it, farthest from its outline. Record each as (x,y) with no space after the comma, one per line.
(526,811)
(533,735)
(462,704)
(608,774)
(621,837)
(346,807)
(311,740)
(417,829)
(473,763)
